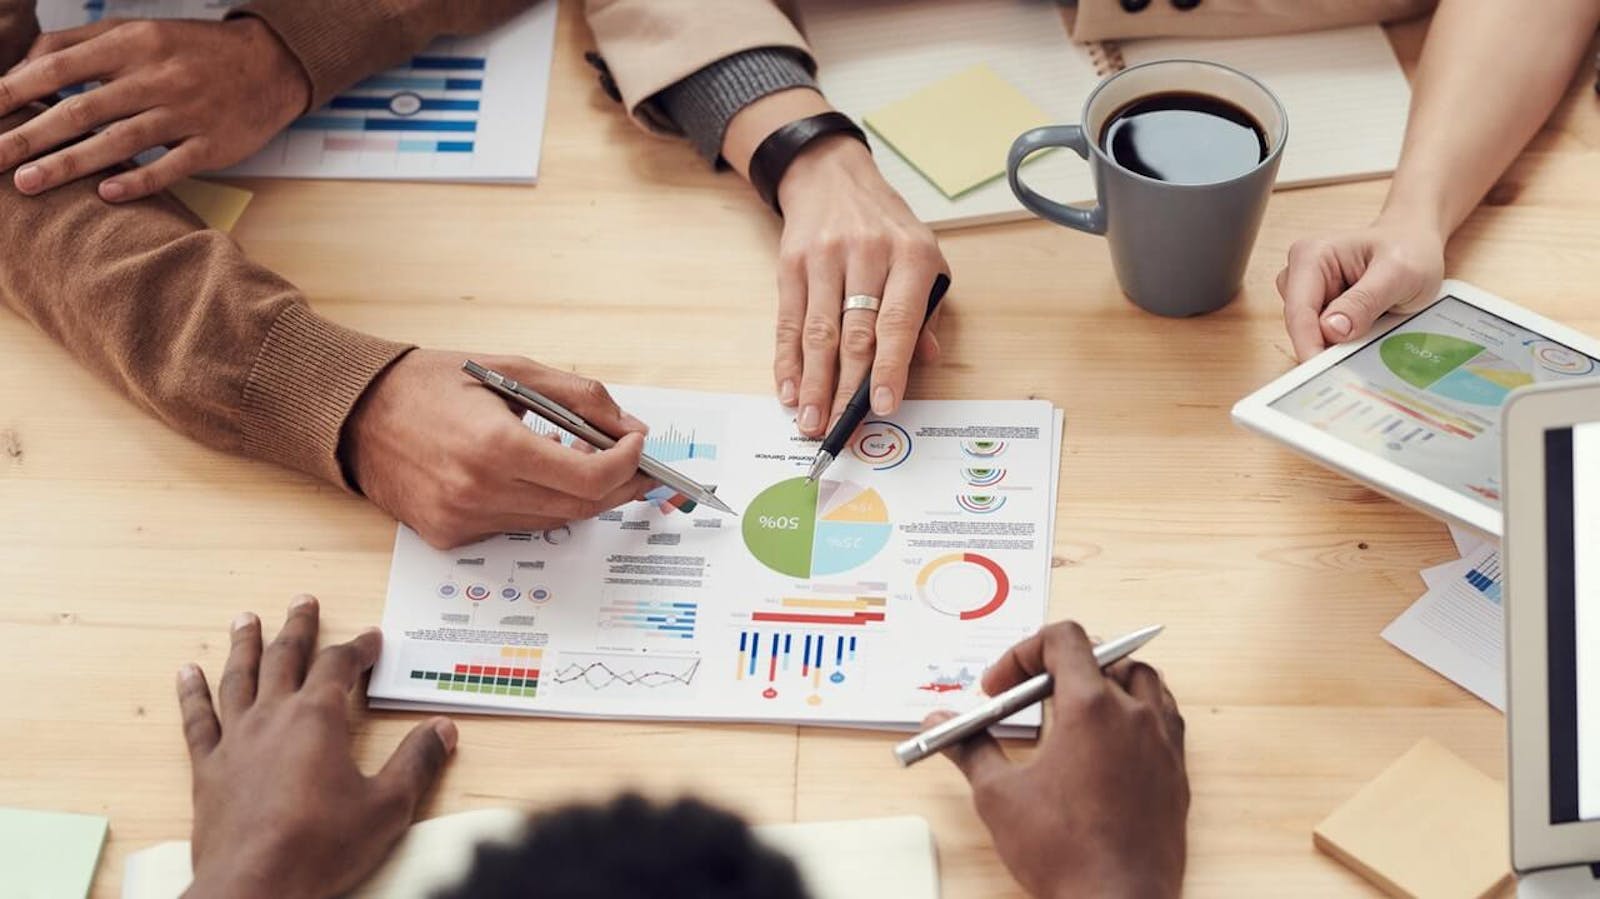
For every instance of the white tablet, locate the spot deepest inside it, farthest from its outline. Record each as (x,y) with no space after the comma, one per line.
(1552,594)
(1414,409)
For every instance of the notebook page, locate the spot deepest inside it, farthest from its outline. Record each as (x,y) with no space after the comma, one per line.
(1343,90)
(873,52)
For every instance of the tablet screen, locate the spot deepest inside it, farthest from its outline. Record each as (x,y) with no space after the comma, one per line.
(1572,596)
(1426,395)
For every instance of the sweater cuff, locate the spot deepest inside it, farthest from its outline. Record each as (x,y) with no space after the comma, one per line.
(702,105)
(333,57)
(308,376)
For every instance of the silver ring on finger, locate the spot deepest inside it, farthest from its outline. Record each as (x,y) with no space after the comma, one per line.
(863,301)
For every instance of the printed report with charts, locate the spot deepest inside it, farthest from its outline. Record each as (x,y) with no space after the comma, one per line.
(867,599)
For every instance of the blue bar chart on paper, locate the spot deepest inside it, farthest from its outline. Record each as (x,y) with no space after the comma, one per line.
(468,109)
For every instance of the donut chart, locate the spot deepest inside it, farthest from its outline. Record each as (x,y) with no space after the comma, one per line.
(805,530)
(966,586)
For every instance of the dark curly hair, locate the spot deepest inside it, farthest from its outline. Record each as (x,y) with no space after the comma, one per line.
(631,848)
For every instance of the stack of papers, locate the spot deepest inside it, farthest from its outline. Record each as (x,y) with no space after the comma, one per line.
(1457,628)
(868,599)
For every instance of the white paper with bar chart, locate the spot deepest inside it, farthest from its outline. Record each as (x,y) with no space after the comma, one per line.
(868,599)
(464,109)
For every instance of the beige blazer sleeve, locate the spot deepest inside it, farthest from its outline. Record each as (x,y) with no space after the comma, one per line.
(1110,20)
(650,44)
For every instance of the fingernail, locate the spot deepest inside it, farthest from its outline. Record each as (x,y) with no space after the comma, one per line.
(112,191)
(883,401)
(29,178)
(786,393)
(244,620)
(188,672)
(304,600)
(446,729)
(810,418)
(1338,323)
(634,424)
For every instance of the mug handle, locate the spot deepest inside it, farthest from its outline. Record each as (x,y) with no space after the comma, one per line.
(1091,219)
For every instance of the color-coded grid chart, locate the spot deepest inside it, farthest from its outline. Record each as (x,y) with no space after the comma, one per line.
(854,611)
(514,671)
(666,500)
(806,529)
(803,658)
(666,619)
(963,585)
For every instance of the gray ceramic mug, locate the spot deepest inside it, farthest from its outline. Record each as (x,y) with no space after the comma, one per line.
(1178,249)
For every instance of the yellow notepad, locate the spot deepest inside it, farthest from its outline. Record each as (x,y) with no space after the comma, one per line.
(218,205)
(1430,825)
(956,131)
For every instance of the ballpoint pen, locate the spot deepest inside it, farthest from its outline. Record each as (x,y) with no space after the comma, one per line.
(860,405)
(1003,706)
(558,415)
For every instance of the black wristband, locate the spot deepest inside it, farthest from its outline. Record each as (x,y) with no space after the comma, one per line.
(773,158)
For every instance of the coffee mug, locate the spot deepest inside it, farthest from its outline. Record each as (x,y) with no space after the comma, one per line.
(1179,249)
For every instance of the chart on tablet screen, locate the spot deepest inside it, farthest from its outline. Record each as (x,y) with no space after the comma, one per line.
(1428,395)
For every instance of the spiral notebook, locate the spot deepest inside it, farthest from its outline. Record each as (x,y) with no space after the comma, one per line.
(1344,91)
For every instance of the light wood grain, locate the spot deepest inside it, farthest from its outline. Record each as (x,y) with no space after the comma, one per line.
(125,549)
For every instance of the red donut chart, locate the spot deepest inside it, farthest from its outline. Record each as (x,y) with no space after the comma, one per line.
(962,606)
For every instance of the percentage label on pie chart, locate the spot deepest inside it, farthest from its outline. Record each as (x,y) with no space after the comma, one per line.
(881,444)
(963,585)
(809,530)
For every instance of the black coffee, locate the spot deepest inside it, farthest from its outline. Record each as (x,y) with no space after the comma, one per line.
(1184,138)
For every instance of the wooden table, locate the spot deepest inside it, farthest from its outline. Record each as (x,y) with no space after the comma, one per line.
(126,550)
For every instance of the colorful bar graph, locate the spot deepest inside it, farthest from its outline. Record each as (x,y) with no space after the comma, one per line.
(656,617)
(815,651)
(672,445)
(855,611)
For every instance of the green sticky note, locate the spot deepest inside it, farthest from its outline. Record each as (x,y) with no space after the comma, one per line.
(46,855)
(957,131)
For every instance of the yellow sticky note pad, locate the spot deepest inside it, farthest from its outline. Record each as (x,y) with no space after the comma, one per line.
(218,205)
(1430,825)
(956,132)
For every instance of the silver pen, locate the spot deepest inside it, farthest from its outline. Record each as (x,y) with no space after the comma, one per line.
(558,415)
(1034,689)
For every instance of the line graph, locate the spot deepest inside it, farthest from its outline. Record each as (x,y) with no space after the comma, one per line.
(625,672)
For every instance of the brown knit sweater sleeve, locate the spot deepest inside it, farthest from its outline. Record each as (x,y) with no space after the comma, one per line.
(175,317)
(340,42)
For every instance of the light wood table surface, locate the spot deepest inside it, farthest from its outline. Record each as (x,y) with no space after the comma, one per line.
(125,549)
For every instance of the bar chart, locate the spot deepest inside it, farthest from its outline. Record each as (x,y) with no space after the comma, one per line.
(650,618)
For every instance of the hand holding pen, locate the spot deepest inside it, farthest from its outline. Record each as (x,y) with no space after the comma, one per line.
(448,458)
(1099,808)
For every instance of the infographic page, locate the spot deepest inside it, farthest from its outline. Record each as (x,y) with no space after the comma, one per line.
(868,598)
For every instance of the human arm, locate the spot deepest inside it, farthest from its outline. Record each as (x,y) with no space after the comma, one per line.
(280,808)
(1100,808)
(728,73)
(214,92)
(228,353)
(1468,122)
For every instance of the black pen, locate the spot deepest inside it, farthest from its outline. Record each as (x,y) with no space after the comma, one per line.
(860,405)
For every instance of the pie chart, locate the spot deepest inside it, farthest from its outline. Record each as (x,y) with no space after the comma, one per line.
(809,530)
